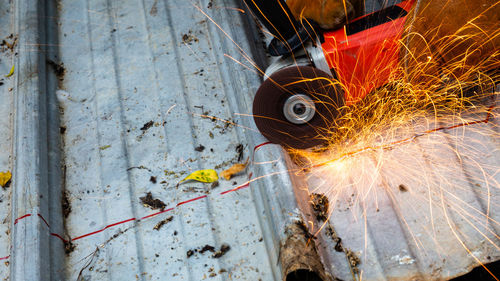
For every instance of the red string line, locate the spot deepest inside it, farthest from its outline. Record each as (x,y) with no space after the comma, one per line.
(246,184)
(102,229)
(157,213)
(260,145)
(60,237)
(20,218)
(43,219)
(190,200)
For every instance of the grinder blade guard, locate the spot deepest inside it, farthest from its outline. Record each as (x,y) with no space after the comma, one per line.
(297,103)
(296,107)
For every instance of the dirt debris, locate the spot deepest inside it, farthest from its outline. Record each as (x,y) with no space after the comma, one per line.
(65,204)
(223,164)
(223,250)
(403,188)
(69,247)
(117,234)
(206,114)
(188,38)
(354,260)
(163,222)
(320,206)
(338,241)
(154,9)
(199,148)
(302,226)
(147,125)
(59,69)
(194,189)
(199,72)
(152,179)
(239,150)
(214,184)
(207,248)
(8,43)
(140,168)
(149,201)
(174,174)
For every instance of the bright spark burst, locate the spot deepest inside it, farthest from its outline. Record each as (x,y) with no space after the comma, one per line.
(422,150)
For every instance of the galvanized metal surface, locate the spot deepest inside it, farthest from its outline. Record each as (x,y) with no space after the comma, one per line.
(124,118)
(6,132)
(158,62)
(114,68)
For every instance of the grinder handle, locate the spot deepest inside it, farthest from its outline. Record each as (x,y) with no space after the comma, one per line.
(277,18)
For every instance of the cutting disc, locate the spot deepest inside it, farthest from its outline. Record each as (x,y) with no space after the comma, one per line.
(290,92)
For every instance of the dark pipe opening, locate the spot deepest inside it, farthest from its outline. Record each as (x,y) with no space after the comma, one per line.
(303,275)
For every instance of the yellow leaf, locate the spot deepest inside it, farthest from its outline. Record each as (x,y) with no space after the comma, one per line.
(202,176)
(236,168)
(5,178)
(11,72)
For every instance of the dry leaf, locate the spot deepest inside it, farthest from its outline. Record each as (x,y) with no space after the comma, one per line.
(11,72)
(236,168)
(5,178)
(202,176)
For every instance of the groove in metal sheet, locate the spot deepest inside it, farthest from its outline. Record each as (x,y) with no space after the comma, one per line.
(6,131)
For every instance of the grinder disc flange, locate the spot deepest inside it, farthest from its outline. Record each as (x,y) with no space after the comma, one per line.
(272,101)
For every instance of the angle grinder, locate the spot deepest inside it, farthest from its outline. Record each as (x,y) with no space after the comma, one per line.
(316,72)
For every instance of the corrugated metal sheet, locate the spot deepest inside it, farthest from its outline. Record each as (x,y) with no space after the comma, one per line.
(112,99)
(160,63)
